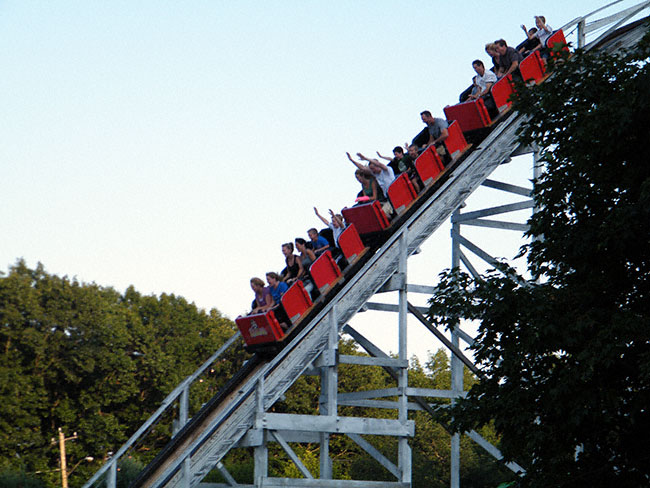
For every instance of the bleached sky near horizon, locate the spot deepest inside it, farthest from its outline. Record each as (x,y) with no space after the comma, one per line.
(174,145)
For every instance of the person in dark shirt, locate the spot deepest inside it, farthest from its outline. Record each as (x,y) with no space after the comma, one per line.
(509,60)
(403,163)
(530,44)
(307,257)
(434,134)
(398,163)
(294,267)
(414,152)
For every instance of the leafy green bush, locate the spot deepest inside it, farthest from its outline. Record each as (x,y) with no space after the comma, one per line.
(16,479)
(127,470)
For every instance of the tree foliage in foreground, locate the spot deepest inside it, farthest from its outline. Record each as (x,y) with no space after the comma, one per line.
(565,357)
(96,362)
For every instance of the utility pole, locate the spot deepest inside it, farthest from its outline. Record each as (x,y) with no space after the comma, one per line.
(64,468)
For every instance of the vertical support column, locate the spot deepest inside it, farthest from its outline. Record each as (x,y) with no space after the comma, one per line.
(456,364)
(537,172)
(183,407)
(187,473)
(111,478)
(537,168)
(404,450)
(581,34)
(183,414)
(261,452)
(329,390)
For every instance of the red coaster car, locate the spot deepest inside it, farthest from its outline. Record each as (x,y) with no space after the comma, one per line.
(470,115)
(351,244)
(259,328)
(296,301)
(401,193)
(366,218)
(456,143)
(324,272)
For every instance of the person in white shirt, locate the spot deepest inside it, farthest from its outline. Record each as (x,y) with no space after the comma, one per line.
(336,225)
(382,173)
(544,31)
(484,80)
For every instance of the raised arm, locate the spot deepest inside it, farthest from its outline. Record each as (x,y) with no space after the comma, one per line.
(362,157)
(321,217)
(337,219)
(543,24)
(357,164)
(373,160)
(384,157)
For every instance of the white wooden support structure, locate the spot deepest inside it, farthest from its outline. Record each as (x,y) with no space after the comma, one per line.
(329,387)
(292,428)
(261,452)
(479,218)
(111,479)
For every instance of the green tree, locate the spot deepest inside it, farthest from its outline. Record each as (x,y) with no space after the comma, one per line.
(13,479)
(565,357)
(93,361)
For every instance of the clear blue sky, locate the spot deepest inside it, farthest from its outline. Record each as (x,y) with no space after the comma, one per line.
(174,145)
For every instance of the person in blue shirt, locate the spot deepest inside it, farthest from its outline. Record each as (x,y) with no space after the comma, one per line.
(318,242)
(277,287)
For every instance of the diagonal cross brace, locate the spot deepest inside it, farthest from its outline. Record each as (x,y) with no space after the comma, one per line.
(441,337)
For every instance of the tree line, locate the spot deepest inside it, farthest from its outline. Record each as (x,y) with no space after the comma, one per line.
(90,360)
(98,363)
